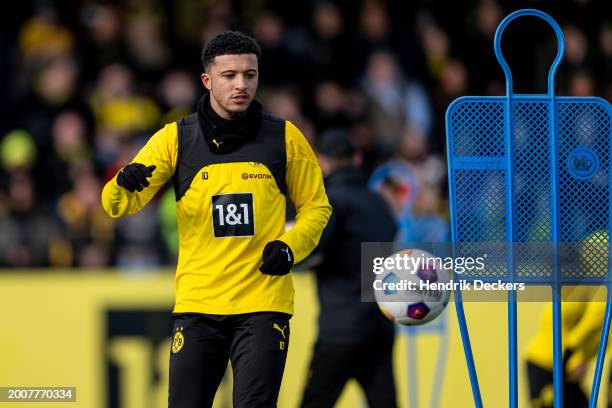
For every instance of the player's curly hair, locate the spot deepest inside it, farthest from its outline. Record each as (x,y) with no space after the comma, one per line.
(229,43)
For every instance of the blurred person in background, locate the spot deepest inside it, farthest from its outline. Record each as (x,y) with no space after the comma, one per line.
(396,182)
(395,101)
(101,43)
(328,46)
(87,227)
(425,221)
(453,83)
(372,152)
(43,38)
(604,60)
(71,154)
(122,114)
(578,53)
(480,27)
(27,233)
(349,327)
(177,95)
(233,168)
(146,50)
(286,103)
(278,68)
(330,100)
(373,33)
(117,105)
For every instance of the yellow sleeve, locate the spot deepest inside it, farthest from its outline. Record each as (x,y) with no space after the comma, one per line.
(306,189)
(584,337)
(161,151)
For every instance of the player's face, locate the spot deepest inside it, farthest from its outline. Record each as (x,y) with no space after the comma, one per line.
(232,82)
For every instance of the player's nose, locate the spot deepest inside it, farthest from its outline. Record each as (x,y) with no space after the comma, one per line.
(241,83)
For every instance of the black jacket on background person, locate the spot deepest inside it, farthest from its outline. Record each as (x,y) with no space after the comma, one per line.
(359,215)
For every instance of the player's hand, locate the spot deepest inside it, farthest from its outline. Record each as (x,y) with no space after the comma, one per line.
(575,365)
(277,258)
(577,373)
(134,176)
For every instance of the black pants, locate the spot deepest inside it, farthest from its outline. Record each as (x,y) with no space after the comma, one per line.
(541,391)
(256,344)
(332,365)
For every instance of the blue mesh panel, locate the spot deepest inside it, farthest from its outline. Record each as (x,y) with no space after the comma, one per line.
(481,219)
(479,129)
(479,169)
(584,202)
(480,193)
(532,192)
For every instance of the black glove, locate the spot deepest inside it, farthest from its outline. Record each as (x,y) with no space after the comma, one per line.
(277,258)
(134,176)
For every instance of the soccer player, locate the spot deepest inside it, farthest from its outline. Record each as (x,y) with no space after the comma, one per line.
(232,167)
(355,339)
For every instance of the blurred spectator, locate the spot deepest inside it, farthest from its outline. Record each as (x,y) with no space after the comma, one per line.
(43,38)
(177,95)
(54,87)
(276,66)
(605,60)
(118,107)
(285,103)
(26,230)
(120,112)
(330,102)
(399,186)
(372,34)
(436,46)
(70,155)
(576,46)
(453,83)
(327,47)
(395,101)
(81,213)
(581,83)
(102,43)
(426,223)
(479,56)
(373,153)
(146,49)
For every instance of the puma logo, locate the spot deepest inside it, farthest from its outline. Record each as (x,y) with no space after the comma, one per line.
(217,143)
(282,331)
(288,254)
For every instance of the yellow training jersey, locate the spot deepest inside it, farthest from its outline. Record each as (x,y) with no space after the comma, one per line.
(228,207)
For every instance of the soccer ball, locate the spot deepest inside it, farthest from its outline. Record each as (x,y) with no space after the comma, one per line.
(408,292)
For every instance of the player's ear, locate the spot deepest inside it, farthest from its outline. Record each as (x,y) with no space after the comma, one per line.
(205,77)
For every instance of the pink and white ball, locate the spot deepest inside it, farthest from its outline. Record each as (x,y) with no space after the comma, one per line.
(416,303)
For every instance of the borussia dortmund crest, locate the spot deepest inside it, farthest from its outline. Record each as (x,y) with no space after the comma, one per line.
(179,340)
